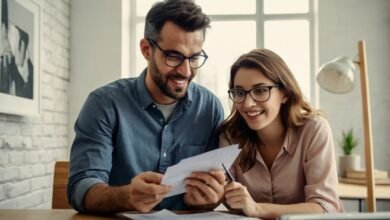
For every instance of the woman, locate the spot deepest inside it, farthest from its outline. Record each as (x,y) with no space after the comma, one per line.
(287,162)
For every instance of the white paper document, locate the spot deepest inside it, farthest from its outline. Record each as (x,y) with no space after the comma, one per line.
(165,214)
(211,160)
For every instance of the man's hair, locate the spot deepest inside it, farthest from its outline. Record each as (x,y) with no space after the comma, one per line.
(23,37)
(4,13)
(184,13)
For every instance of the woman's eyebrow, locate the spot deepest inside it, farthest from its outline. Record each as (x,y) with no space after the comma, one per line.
(253,86)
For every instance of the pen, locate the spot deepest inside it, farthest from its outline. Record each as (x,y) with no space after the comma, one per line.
(228,174)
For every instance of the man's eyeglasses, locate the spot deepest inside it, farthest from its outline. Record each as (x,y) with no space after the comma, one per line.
(259,93)
(175,59)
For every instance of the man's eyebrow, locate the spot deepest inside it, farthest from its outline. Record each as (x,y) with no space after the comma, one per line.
(170,51)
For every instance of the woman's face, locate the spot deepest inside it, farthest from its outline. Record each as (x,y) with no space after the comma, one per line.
(258,114)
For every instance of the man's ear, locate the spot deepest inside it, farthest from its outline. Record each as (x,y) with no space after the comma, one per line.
(146,49)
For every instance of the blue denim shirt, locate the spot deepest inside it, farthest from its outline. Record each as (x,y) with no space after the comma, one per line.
(120,132)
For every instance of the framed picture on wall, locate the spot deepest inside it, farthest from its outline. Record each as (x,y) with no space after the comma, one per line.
(20,57)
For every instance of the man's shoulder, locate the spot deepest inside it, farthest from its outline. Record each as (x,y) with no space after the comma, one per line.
(199,91)
(115,88)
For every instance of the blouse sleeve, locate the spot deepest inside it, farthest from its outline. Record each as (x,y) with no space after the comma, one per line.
(320,167)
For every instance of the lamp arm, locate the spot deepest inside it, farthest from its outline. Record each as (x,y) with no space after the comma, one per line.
(368,146)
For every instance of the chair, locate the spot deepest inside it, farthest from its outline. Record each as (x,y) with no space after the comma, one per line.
(60,181)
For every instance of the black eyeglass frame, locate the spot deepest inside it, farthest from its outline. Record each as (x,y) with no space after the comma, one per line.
(269,87)
(177,54)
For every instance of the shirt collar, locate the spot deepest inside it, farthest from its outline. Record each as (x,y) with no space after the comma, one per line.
(289,144)
(145,99)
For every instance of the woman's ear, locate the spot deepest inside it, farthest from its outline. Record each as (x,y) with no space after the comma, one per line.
(285,99)
(146,50)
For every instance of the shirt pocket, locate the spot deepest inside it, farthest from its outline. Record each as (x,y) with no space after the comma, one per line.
(189,151)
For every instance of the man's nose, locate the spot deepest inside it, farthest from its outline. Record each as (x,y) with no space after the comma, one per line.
(185,68)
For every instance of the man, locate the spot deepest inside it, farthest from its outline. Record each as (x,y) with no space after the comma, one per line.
(21,66)
(130,131)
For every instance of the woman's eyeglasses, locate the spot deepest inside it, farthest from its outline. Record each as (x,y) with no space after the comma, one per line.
(259,93)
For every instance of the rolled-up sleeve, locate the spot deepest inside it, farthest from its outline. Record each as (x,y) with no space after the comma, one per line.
(91,152)
(320,168)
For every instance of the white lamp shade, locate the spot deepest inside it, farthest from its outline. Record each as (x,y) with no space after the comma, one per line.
(337,76)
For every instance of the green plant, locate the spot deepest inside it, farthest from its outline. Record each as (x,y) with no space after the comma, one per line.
(348,142)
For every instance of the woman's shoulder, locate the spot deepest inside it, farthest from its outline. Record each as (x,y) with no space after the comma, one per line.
(316,122)
(313,126)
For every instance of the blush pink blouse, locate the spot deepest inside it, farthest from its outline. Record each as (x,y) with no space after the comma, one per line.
(303,171)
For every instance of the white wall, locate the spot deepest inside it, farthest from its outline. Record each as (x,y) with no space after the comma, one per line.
(96,50)
(342,23)
(30,145)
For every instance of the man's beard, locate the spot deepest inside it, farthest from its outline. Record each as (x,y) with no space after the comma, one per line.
(162,81)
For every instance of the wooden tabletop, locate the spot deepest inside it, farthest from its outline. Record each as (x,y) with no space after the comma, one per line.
(64,214)
(50,214)
(354,191)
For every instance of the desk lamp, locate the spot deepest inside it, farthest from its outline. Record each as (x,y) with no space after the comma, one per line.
(337,76)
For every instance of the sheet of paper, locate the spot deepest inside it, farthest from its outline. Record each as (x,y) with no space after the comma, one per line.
(165,214)
(213,215)
(211,160)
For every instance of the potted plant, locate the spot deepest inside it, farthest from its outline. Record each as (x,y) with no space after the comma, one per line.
(349,161)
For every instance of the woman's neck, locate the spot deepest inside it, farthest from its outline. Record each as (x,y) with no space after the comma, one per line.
(273,135)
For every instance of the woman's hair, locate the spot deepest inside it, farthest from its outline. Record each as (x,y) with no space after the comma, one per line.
(293,113)
(184,13)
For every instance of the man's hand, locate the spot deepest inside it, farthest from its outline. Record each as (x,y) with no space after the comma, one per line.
(205,190)
(145,191)
(238,197)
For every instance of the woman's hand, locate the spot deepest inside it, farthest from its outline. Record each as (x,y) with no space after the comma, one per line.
(238,197)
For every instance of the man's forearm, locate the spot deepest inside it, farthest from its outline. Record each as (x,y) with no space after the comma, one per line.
(104,198)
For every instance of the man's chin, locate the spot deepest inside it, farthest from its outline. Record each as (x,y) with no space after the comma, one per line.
(176,94)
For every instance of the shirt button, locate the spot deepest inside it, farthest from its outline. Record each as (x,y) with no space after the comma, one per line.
(164,154)
(153,106)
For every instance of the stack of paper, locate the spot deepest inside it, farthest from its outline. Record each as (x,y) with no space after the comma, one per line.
(212,160)
(165,214)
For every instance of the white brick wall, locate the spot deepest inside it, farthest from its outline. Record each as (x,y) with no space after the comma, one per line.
(30,145)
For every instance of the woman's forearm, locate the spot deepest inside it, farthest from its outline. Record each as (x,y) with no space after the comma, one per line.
(273,211)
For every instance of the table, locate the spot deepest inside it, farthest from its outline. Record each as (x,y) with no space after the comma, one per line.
(65,214)
(50,214)
(359,192)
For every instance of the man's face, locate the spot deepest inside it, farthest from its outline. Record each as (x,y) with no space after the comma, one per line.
(18,50)
(173,82)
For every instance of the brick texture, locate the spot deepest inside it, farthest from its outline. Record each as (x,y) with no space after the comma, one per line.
(29,146)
